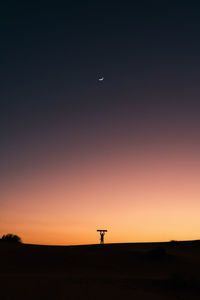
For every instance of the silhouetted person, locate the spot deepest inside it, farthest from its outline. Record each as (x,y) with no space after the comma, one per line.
(102,237)
(102,233)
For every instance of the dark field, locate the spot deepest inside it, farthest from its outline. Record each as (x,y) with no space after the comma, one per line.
(114,271)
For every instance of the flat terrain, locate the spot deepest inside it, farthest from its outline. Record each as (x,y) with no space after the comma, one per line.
(113,271)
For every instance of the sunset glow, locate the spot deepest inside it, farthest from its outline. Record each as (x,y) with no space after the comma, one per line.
(99,123)
(146,194)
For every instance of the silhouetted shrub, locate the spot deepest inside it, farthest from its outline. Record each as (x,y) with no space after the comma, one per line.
(158,252)
(11,238)
(173,242)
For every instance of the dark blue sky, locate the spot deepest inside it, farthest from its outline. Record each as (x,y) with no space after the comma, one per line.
(78,154)
(51,57)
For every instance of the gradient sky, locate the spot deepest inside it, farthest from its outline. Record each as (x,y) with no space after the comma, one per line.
(77,154)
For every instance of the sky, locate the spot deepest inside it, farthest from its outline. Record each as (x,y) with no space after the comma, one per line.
(77,154)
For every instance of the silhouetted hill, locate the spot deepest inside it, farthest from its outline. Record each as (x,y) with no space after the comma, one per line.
(130,271)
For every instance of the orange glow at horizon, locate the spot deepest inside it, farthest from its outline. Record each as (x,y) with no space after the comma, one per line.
(138,196)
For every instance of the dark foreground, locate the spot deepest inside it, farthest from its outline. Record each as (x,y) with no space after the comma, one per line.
(116,271)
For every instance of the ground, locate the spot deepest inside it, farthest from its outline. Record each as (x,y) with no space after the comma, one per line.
(113,271)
